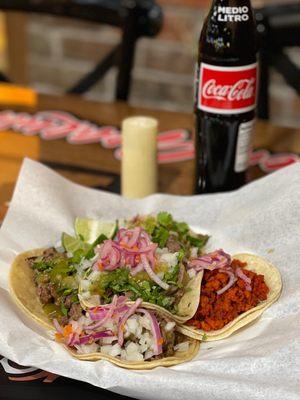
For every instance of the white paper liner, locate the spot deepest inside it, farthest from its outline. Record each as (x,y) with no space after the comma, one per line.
(261,361)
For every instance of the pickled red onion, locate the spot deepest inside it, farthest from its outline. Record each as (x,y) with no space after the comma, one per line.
(94,336)
(57,326)
(108,315)
(231,282)
(125,317)
(158,340)
(245,278)
(152,274)
(211,261)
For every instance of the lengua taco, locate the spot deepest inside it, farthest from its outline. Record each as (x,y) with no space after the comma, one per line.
(145,257)
(125,333)
(234,292)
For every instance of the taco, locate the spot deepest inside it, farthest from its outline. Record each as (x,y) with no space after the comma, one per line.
(125,333)
(145,257)
(234,292)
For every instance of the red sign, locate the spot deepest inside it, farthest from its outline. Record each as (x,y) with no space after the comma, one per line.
(227,90)
(173,146)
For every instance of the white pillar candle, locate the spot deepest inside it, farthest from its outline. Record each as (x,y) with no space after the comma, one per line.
(139,157)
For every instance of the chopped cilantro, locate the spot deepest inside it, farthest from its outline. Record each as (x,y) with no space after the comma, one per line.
(165,219)
(120,281)
(172,277)
(182,228)
(160,236)
(66,292)
(42,265)
(198,241)
(181,255)
(91,252)
(64,310)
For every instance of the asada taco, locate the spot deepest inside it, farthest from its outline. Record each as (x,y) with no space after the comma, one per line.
(235,291)
(125,333)
(144,257)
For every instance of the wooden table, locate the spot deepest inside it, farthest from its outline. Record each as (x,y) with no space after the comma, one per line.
(176,178)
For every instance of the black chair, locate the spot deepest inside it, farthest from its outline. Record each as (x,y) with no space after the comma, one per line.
(136,19)
(278,27)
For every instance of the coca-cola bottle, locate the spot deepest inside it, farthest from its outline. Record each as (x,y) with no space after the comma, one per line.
(225,96)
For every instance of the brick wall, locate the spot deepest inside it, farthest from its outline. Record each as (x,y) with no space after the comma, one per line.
(62,50)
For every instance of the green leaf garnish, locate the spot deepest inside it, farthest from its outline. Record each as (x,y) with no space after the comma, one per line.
(64,310)
(91,252)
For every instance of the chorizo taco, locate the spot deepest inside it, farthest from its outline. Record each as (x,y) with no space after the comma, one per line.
(235,291)
(127,334)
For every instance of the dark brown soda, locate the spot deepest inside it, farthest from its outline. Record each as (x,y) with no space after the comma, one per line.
(228,44)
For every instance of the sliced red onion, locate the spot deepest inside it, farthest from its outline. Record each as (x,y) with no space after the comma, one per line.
(57,326)
(245,278)
(94,336)
(95,266)
(125,317)
(135,236)
(74,339)
(206,258)
(75,325)
(109,314)
(131,251)
(137,269)
(153,275)
(231,282)
(122,310)
(226,255)
(121,233)
(97,315)
(85,339)
(200,265)
(127,250)
(215,260)
(113,260)
(158,340)
(99,335)
(145,238)
(122,300)
(151,255)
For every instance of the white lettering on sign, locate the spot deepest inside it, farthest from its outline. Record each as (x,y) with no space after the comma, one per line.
(233,14)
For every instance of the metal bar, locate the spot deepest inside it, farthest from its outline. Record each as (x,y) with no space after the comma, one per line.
(97,73)
(127,51)
(287,69)
(263,111)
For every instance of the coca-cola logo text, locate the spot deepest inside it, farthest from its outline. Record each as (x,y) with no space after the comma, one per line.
(226,90)
(241,90)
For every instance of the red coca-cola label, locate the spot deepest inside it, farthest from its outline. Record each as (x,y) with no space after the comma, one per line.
(227,90)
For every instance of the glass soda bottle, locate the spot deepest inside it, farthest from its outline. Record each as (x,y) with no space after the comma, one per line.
(226,86)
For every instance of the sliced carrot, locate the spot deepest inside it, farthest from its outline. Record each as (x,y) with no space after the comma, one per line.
(58,337)
(68,329)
